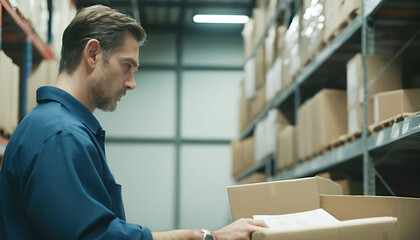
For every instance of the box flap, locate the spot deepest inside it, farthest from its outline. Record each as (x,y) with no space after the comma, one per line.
(280,197)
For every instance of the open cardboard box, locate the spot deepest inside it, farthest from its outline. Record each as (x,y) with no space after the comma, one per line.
(291,196)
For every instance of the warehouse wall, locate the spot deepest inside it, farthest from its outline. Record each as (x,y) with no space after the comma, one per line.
(209,98)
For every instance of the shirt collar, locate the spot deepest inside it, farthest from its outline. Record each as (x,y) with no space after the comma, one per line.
(47,93)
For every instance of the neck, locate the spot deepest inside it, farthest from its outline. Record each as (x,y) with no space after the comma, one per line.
(76,84)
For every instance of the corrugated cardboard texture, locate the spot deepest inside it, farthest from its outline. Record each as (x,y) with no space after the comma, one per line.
(279,197)
(382,228)
(407,210)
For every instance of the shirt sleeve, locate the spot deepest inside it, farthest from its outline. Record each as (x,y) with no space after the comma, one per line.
(65,196)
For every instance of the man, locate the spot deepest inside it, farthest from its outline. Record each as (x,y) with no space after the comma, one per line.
(55,182)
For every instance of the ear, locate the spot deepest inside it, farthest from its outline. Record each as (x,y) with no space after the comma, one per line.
(92,52)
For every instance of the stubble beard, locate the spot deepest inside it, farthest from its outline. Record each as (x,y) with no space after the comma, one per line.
(101,95)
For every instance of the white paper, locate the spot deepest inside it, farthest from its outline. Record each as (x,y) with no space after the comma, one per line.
(308,218)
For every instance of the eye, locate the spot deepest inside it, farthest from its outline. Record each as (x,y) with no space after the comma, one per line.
(128,66)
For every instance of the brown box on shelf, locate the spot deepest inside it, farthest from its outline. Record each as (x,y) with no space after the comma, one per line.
(260,68)
(258,103)
(286,147)
(337,13)
(244,113)
(291,57)
(378,81)
(271,42)
(328,119)
(248,37)
(254,178)
(304,132)
(392,103)
(242,155)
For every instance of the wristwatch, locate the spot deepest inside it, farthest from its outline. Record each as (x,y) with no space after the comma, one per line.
(207,234)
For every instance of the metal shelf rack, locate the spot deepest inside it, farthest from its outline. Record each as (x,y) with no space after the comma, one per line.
(369,146)
(22,34)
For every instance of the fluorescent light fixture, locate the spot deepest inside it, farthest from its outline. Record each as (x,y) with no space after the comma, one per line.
(202,18)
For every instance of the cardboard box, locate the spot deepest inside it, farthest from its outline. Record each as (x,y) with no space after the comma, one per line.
(270,47)
(242,155)
(361,229)
(389,104)
(273,80)
(286,148)
(248,37)
(244,113)
(258,103)
(304,131)
(280,197)
(254,178)
(312,23)
(260,68)
(9,94)
(44,74)
(291,58)
(336,13)
(407,210)
(328,118)
(305,194)
(390,79)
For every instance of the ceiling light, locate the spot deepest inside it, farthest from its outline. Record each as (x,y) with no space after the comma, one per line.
(201,18)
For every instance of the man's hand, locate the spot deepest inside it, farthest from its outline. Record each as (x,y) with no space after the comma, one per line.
(239,230)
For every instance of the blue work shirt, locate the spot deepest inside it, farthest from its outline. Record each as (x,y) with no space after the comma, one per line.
(55,182)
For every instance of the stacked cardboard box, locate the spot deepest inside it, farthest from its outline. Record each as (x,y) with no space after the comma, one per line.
(285,149)
(62,15)
(337,13)
(311,29)
(322,120)
(36,12)
(291,58)
(379,80)
(44,74)
(392,103)
(265,134)
(9,94)
(242,155)
(292,196)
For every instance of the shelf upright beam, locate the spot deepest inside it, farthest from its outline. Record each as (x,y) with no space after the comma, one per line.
(25,73)
(297,103)
(368,167)
(1,22)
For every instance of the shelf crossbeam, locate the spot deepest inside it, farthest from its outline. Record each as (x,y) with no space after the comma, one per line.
(43,49)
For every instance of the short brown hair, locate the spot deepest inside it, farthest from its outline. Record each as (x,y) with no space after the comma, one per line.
(102,23)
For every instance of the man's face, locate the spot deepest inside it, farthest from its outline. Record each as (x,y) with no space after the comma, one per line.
(114,77)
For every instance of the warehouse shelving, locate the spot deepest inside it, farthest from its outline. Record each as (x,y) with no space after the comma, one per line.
(21,40)
(372,149)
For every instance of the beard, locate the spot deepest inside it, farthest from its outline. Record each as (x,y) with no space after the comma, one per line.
(101,94)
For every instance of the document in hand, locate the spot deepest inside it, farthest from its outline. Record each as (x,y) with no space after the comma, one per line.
(308,218)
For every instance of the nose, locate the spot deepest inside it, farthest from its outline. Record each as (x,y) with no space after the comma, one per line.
(131,84)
